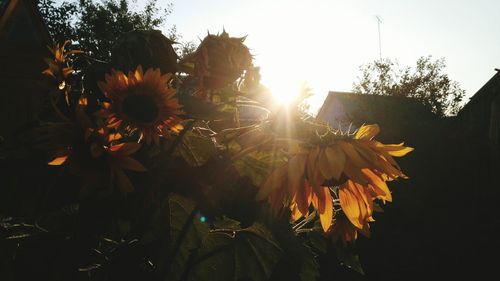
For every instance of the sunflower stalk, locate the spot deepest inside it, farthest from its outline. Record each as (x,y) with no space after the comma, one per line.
(59,113)
(304,222)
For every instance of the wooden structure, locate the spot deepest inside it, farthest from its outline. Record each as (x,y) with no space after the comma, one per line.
(23,45)
(480,117)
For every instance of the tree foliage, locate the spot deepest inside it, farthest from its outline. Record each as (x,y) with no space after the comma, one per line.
(95,26)
(427,83)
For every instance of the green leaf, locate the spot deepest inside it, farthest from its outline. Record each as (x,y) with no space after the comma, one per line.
(233,254)
(309,268)
(186,234)
(347,257)
(257,165)
(195,149)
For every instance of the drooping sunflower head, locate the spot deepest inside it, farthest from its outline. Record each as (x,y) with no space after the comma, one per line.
(149,48)
(220,60)
(141,101)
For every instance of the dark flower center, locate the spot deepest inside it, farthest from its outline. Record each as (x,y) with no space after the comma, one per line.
(140,108)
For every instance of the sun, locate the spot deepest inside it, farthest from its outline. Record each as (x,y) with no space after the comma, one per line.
(284,87)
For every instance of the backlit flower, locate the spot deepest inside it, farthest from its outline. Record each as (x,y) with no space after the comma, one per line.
(219,60)
(58,66)
(141,101)
(358,165)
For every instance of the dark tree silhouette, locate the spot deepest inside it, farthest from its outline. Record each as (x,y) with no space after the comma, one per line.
(95,26)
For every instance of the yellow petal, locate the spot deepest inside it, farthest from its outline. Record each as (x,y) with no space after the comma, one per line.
(401,152)
(326,215)
(379,185)
(367,132)
(350,204)
(296,214)
(397,150)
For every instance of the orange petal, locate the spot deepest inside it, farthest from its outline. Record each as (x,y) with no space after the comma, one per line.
(379,185)
(350,204)
(58,161)
(295,213)
(125,149)
(303,198)
(326,215)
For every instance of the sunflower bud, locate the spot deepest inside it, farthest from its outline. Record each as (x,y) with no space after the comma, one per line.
(150,49)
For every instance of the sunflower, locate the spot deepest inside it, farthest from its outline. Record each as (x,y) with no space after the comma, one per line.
(57,66)
(100,162)
(98,155)
(359,165)
(141,101)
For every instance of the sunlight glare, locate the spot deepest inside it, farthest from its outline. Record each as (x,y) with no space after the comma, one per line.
(284,90)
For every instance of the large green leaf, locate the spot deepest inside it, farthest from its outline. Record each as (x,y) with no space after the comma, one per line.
(257,165)
(234,253)
(195,149)
(186,234)
(348,257)
(227,252)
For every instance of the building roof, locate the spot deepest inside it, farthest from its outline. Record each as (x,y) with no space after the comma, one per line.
(486,93)
(22,24)
(397,116)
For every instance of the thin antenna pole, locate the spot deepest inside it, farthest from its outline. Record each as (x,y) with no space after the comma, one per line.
(379,38)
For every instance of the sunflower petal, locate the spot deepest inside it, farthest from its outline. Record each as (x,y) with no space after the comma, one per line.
(125,149)
(379,185)
(324,164)
(296,166)
(326,214)
(353,155)
(58,160)
(303,198)
(336,159)
(367,132)
(350,204)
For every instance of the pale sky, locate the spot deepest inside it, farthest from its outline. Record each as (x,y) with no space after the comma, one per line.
(325,42)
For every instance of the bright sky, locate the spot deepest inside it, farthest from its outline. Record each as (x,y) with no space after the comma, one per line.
(325,42)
